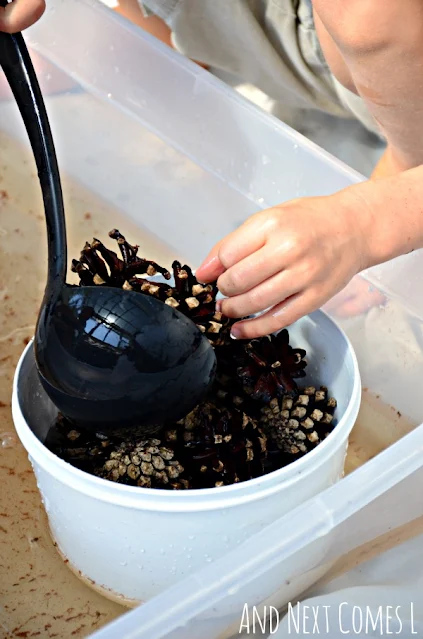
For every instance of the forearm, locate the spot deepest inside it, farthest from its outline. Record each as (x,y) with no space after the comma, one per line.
(382,43)
(390,211)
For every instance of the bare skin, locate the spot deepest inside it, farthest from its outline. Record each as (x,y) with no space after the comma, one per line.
(19,15)
(130,9)
(384,62)
(283,258)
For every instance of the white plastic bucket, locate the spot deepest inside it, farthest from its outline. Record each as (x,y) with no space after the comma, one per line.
(135,542)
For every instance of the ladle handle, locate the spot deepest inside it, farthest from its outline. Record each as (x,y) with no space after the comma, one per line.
(20,74)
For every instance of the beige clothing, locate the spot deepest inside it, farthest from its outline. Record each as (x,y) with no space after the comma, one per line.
(271,44)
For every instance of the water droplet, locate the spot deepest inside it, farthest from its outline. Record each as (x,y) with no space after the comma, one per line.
(170,545)
(225,539)
(8,440)
(142,550)
(233,590)
(109,95)
(209,560)
(48,76)
(191,536)
(116,69)
(111,48)
(265,159)
(123,563)
(162,551)
(189,556)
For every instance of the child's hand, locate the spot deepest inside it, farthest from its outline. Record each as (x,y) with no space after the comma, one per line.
(292,258)
(20,15)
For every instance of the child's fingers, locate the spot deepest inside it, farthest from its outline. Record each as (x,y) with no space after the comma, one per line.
(258,267)
(245,241)
(250,237)
(282,315)
(20,15)
(211,269)
(265,295)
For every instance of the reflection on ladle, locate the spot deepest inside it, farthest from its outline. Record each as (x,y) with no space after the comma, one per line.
(106,357)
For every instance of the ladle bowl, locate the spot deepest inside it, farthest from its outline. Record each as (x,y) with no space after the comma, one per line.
(107,357)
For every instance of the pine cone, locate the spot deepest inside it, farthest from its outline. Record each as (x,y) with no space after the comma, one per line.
(218,446)
(298,424)
(198,302)
(100,266)
(77,446)
(270,367)
(250,374)
(143,463)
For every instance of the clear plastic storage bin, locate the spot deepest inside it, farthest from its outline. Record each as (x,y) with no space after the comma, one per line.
(153,142)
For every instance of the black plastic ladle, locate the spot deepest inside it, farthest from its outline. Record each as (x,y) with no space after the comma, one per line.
(106,357)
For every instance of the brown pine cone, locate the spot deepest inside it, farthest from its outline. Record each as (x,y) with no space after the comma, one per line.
(144,463)
(99,266)
(74,444)
(298,424)
(272,367)
(218,446)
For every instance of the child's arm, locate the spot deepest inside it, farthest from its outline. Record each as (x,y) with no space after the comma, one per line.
(296,256)
(20,15)
(381,42)
(131,10)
